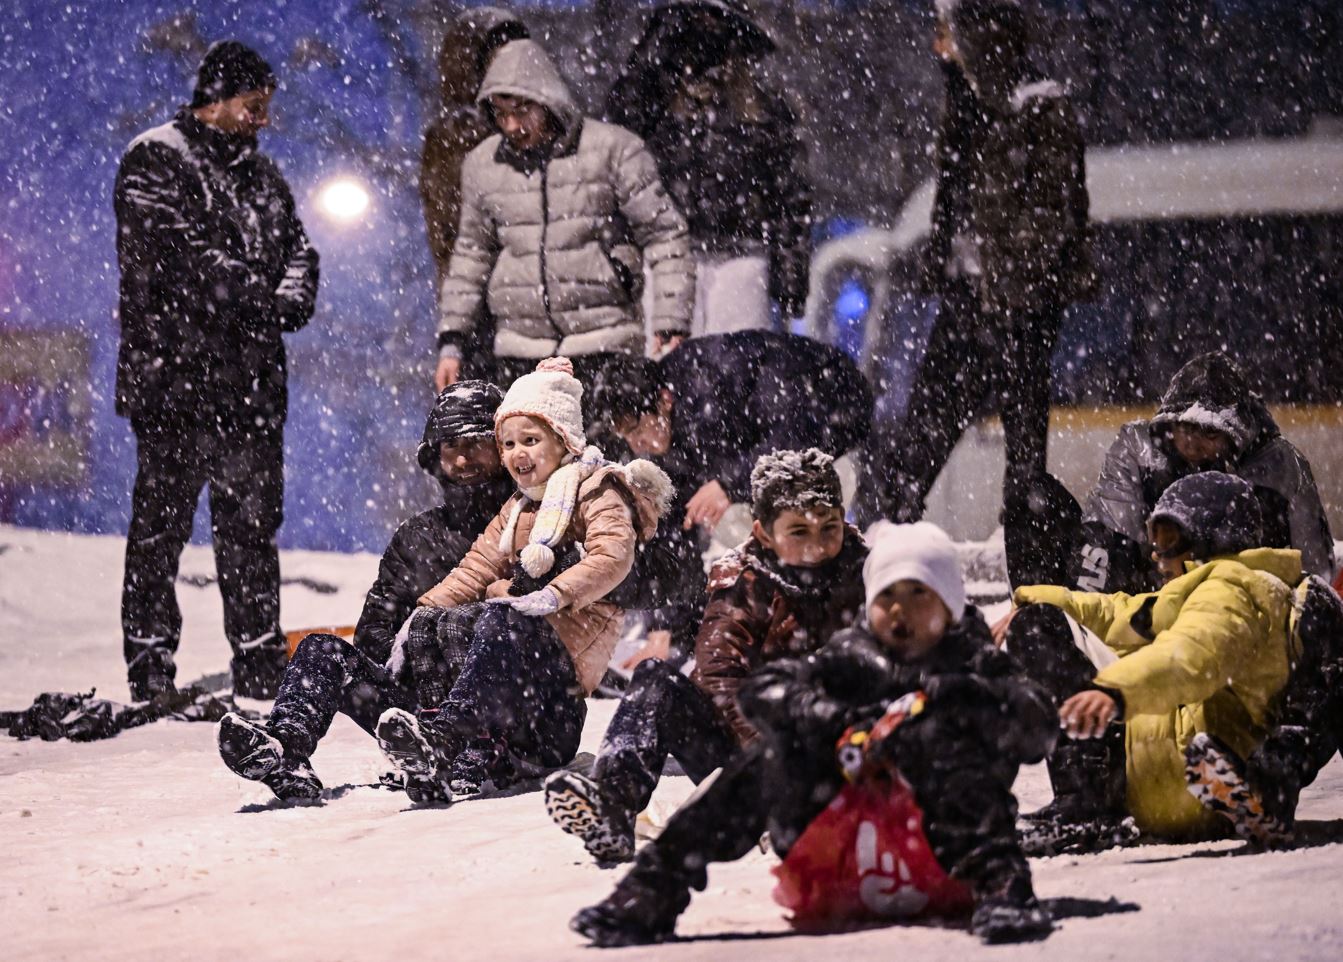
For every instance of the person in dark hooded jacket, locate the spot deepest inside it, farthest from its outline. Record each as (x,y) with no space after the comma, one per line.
(327,675)
(461,124)
(458,450)
(728,148)
(1009,252)
(978,719)
(1209,419)
(215,268)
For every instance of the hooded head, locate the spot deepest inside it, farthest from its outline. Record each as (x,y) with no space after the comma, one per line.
(468,47)
(991,38)
(523,70)
(1218,514)
(703,34)
(462,411)
(1209,394)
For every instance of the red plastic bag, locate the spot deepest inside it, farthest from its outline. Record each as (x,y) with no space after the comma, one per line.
(865,859)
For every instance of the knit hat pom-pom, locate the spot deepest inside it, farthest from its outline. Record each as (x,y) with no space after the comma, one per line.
(537,559)
(561,365)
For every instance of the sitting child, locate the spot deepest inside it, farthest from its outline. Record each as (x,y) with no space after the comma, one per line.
(1207,653)
(546,565)
(795,582)
(980,720)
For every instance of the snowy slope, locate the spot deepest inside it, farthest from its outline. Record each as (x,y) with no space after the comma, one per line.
(147,847)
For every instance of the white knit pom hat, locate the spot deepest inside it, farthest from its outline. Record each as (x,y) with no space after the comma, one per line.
(919,552)
(551,394)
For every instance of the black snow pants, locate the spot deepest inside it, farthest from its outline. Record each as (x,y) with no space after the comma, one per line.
(329,675)
(517,691)
(244,468)
(661,713)
(976,361)
(964,789)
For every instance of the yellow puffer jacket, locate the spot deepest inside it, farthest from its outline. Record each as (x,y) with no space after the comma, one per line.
(1209,652)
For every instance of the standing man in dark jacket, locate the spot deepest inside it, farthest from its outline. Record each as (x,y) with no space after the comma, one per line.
(215,266)
(727,147)
(461,124)
(1009,252)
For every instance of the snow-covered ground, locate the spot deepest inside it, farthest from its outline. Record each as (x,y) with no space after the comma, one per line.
(146,847)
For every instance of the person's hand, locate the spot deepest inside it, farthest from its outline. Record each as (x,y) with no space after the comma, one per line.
(707,506)
(657,645)
(1086,714)
(449,370)
(666,343)
(999,629)
(538,604)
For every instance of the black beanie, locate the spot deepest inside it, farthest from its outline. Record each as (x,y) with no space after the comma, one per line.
(230,68)
(464,410)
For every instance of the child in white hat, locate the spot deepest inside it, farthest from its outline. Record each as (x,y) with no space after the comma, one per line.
(546,564)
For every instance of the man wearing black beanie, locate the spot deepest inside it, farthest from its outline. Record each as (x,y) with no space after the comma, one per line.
(215,266)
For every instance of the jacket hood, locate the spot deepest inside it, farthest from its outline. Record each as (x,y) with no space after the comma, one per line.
(647,484)
(462,410)
(742,32)
(522,68)
(466,46)
(1218,513)
(1282,563)
(1211,391)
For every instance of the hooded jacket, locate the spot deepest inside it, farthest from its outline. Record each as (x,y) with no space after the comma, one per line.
(618,507)
(461,123)
(731,154)
(1142,463)
(760,610)
(215,266)
(557,242)
(1209,652)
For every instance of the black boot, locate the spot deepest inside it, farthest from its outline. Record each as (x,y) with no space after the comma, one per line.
(249,750)
(150,675)
(1088,813)
(1008,911)
(642,910)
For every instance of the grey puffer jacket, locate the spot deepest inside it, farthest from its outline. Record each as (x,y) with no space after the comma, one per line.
(557,242)
(1143,462)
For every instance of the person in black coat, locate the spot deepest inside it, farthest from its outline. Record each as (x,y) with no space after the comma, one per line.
(458,450)
(728,149)
(978,718)
(327,675)
(1009,251)
(215,267)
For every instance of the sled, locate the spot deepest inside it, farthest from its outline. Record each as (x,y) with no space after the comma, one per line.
(292,638)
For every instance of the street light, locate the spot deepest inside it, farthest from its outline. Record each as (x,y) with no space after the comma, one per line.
(343,199)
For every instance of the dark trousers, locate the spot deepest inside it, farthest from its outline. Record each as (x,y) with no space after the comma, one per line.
(976,361)
(661,713)
(244,469)
(965,792)
(329,675)
(517,689)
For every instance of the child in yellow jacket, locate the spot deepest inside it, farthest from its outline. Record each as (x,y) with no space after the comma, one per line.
(1139,676)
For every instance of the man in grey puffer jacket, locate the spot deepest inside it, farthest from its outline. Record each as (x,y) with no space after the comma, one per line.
(559,214)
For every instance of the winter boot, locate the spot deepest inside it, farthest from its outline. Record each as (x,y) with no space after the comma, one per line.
(642,910)
(254,753)
(576,804)
(1217,778)
(1010,912)
(1088,813)
(481,767)
(151,675)
(257,671)
(406,746)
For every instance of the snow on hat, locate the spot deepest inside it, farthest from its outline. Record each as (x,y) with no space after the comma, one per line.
(919,552)
(551,394)
(462,410)
(230,68)
(1218,513)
